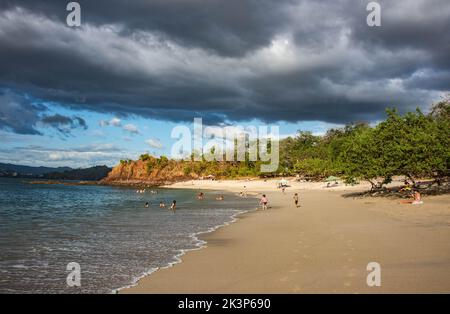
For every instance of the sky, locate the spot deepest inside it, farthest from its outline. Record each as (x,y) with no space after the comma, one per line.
(114,87)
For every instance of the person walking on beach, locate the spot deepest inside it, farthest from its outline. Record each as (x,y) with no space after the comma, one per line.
(296,200)
(245,191)
(264,202)
(173,206)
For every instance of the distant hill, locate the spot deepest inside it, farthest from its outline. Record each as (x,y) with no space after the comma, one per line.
(30,171)
(60,173)
(93,173)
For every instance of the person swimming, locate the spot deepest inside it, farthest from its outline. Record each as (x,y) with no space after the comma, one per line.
(162,204)
(173,206)
(220,198)
(147,204)
(200,196)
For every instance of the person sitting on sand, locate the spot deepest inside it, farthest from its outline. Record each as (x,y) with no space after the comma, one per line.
(417,199)
(146,205)
(173,206)
(264,202)
(296,200)
(162,204)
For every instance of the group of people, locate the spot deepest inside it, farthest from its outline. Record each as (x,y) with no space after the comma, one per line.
(163,205)
(200,196)
(264,201)
(142,191)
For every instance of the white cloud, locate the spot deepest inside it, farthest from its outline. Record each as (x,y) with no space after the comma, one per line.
(131,128)
(155,143)
(82,156)
(115,122)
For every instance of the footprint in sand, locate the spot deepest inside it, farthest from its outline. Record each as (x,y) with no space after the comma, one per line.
(350,259)
(347,284)
(306,256)
(296,251)
(284,279)
(293,271)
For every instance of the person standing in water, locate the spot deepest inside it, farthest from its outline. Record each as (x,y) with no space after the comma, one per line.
(245,191)
(264,202)
(146,205)
(173,206)
(296,200)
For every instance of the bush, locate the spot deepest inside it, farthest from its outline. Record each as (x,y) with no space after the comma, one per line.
(187,170)
(144,157)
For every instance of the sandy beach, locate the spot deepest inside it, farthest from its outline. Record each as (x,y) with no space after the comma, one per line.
(323,246)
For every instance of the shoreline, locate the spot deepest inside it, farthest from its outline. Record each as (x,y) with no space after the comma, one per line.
(254,234)
(199,245)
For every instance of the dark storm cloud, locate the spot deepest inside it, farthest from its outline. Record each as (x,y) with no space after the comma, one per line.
(229,28)
(227,60)
(17,114)
(64,124)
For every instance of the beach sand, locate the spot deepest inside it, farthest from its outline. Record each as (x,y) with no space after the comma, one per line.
(323,246)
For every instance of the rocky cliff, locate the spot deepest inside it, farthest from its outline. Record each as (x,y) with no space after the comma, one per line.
(151,171)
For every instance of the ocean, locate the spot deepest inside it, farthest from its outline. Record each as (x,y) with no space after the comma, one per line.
(106,230)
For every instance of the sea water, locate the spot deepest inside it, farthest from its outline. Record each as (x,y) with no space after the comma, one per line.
(106,230)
